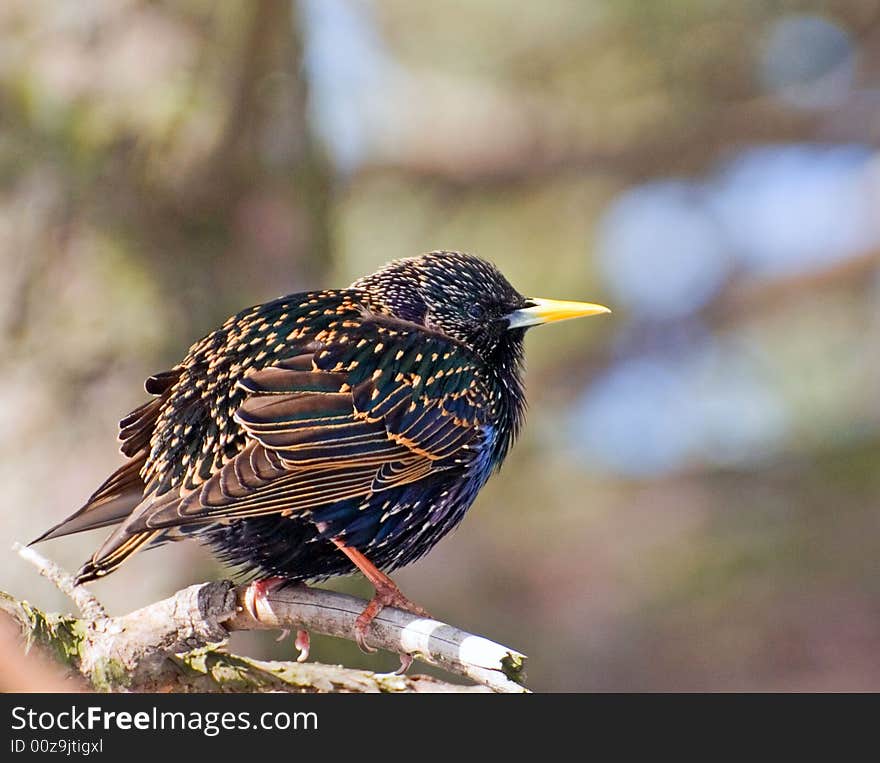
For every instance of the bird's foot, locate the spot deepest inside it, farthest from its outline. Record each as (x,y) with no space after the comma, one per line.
(387,595)
(257,592)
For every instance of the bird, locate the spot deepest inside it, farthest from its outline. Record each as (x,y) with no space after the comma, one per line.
(326,432)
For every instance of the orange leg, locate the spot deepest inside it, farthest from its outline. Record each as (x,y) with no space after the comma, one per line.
(387,595)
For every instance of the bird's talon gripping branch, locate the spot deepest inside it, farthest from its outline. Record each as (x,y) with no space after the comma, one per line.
(387,595)
(362,625)
(256,594)
(360,636)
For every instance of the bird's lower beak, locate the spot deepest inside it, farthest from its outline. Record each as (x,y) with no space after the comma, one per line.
(549,310)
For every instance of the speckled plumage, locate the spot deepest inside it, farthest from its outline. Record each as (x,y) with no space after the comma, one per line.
(371,415)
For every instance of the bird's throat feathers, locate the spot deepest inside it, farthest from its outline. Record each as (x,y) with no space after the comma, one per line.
(508,367)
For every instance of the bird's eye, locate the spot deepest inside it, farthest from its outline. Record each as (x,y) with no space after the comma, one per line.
(476,312)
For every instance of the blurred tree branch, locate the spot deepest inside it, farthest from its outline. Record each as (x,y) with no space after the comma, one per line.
(668,149)
(546,150)
(743,299)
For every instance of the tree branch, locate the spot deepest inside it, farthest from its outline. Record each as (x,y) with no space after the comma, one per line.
(84,599)
(178,644)
(431,641)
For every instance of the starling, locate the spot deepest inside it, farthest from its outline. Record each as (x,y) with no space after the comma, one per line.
(328,431)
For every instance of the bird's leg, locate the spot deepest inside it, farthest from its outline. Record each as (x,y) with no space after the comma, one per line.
(387,595)
(256,593)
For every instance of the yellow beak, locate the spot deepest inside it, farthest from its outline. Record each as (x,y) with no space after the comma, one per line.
(549,310)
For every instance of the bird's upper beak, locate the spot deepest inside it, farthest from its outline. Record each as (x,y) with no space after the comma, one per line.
(549,310)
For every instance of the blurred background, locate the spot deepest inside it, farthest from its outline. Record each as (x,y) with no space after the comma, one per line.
(693,504)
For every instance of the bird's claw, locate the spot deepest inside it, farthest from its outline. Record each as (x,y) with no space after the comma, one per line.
(256,593)
(406,660)
(250,600)
(386,596)
(361,626)
(303,643)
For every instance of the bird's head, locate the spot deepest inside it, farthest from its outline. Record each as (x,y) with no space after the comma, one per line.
(466,298)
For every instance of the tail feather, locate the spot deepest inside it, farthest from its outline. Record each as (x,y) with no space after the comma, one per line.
(115,550)
(120,546)
(130,537)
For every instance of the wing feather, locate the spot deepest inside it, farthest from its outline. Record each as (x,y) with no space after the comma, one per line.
(342,421)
